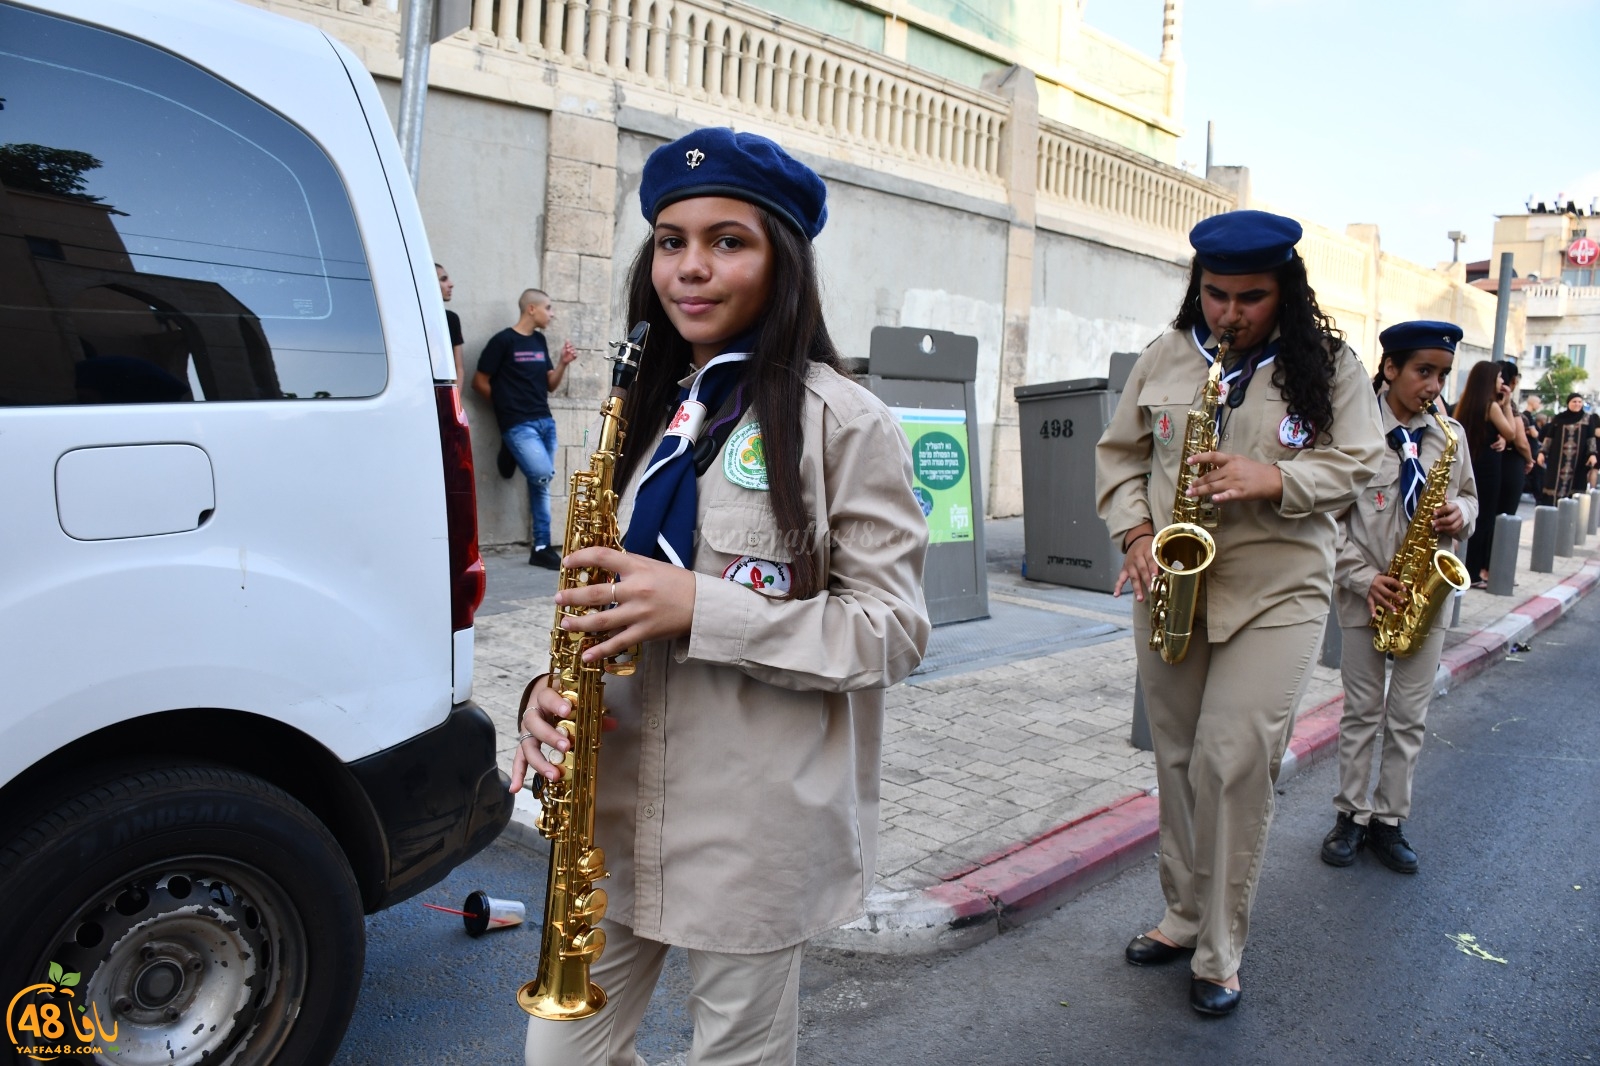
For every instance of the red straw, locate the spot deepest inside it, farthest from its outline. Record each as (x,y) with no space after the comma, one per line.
(448,910)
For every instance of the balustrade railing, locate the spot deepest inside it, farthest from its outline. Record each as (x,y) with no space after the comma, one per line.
(1077,172)
(731,56)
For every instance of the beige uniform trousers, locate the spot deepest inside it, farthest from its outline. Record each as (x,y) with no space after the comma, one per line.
(1220,721)
(1399,716)
(746,1008)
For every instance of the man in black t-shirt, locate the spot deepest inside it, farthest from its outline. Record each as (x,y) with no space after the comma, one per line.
(447,288)
(515,374)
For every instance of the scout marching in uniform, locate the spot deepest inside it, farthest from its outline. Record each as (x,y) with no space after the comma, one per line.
(1221,718)
(1416,358)
(737,801)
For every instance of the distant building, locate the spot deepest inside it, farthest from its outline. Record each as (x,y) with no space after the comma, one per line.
(1556,280)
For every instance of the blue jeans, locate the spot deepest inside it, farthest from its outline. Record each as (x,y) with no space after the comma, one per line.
(534,445)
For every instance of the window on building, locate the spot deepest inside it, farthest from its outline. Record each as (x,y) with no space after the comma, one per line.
(1575,277)
(1577,353)
(1541,355)
(178,240)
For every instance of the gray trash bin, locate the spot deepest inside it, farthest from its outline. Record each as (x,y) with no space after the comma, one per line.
(926,377)
(1065,542)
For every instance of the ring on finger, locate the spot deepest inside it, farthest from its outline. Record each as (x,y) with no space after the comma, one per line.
(613,602)
(524,736)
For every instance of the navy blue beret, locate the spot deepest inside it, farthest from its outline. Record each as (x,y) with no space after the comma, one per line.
(1409,336)
(745,166)
(1244,242)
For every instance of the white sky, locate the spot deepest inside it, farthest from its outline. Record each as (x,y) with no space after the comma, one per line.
(1423,116)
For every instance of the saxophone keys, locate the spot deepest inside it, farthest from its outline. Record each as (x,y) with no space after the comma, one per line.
(585,946)
(590,906)
(592,864)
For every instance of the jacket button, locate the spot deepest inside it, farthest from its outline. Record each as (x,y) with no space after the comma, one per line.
(753,539)
(650,810)
(653,721)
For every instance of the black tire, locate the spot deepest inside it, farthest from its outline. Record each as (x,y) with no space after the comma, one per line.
(210,915)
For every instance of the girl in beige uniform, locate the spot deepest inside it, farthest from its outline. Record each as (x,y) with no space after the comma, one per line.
(773,579)
(1298,439)
(1417,357)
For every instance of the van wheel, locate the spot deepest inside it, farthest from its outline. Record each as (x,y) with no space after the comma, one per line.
(208,915)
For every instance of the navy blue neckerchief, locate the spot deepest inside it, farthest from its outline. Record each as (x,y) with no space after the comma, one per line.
(1235,382)
(1411,473)
(666,504)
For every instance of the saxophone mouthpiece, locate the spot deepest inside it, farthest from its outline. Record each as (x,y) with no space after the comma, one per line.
(627,358)
(1227,337)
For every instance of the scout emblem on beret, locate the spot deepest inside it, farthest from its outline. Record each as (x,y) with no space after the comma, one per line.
(695,157)
(1293,433)
(763,575)
(744,461)
(1164,430)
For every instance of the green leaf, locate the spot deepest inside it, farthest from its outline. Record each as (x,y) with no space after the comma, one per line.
(55,972)
(68,980)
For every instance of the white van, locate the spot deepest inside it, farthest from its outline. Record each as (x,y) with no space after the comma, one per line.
(238,549)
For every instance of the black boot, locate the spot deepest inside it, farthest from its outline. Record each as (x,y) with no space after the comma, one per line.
(1390,848)
(1339,847)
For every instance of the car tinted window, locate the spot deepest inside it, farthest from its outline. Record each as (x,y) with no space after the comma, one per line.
(164,237)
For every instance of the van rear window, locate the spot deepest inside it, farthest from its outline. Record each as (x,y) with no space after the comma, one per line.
(166,238)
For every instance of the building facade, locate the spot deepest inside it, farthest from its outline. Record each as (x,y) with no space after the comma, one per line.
(995,169)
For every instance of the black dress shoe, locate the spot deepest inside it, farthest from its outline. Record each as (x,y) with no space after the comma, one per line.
(1208,997)
(545,558)
(1339,847)
(1146,951)
(1390,848)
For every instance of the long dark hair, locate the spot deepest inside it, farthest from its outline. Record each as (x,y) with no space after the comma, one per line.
(1303,370)
(792,336)
(1472,409)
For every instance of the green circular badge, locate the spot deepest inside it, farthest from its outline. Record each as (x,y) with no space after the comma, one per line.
(939,460)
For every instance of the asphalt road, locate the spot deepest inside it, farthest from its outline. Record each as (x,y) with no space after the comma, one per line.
(1359,965)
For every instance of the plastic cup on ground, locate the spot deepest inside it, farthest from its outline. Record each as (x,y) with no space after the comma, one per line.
(482,912)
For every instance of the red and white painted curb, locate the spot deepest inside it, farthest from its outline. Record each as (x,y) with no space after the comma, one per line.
(1032,877)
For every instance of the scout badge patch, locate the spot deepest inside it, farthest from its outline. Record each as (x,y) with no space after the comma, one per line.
(1164,430)
(1380,500)
(744,461)
(763,575)
(1293,432)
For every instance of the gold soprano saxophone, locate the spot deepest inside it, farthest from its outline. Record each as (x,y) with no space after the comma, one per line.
(1183,548)
(1428,572)
(573,907)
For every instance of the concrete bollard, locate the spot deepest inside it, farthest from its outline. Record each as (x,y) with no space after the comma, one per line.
(1544,540)
(1594,512)
(1566,527)
(1141,721)
(1332,641)
(1580,532)
(1503,555)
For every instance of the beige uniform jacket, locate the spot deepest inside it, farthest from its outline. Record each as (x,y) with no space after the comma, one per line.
(1274,564)
(1371,529)
(738,799)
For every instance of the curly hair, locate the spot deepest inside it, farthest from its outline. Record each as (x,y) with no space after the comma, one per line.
(1308,341)
(792,335)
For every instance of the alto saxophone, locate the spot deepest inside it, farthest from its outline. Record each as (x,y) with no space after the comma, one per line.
(573,907)
(1184,548)
(1426,570)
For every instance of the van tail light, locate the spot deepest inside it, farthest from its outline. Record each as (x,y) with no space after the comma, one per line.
(461,508)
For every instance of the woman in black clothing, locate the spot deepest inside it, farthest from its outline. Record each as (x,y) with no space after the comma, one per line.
(1517,459)
(1479,412)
